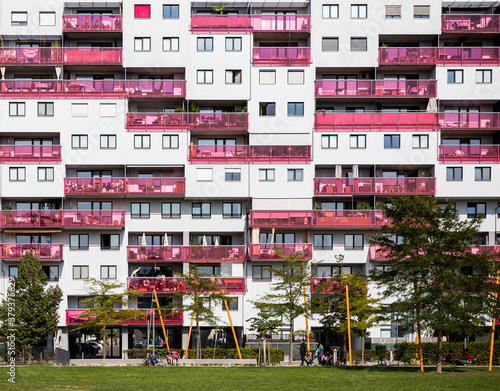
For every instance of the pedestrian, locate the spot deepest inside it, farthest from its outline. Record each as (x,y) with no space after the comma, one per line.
(319,352)
(303,352)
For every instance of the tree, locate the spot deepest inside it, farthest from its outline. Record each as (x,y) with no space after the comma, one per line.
(437,282)
(264,324)
(35,306)
(101,306)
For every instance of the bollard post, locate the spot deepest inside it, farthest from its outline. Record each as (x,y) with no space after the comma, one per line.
(391,356)
(334,356)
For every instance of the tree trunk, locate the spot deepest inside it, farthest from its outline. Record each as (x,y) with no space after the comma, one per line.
(290,358)
(258,357)
(344,349)
(265,363)
(104,342)
(363,347)
(198,340)
(268,351)
(439,356)
(418,326)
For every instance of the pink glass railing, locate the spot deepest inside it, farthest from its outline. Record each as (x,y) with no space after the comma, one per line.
(375,122)
(482,249)
(31,56)
(277,23)
(114,186)
(173,284)
(376,253)
(370,186)
(466,153)
(278,251)
(328,284)
(92,56)
(406,56)
(220,154)
(281,56)
(469,120)
(470,23)
(156,88)
(176,318)
(461,56)
(62,218)
(69,56)
(317,218)
(212,24)
(11,251)
(375,88)
(92,23)
(185,253)
(30,154)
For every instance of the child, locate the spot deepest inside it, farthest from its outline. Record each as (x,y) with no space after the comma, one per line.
(311,357)
(175,357)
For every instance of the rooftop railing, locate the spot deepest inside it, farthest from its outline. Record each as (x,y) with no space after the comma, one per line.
(371,186)
(469,120)
(115,186)
(106,23)
(470,23)
(30,154)
(185,253)
(466,153)
(175,318)
(173,284)
(278,251)
(45,251)
(67,56)
(281,56)
(376,88)
(246,24)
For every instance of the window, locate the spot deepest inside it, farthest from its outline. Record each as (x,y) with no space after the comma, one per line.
(483,76)
(78,242)
(330,11)
(45,174)
(354,241)
(420,141)
(52,272)
(232,304)
(170,210)
(267,77)
(108,272)
(295,77)
(233,44)
(232,175)
(323,271)
(47,18)
(233,77)
(201,210)
(205,77)
(171,11)
(262,273)
(204,174)
(79,109)
(13,271)
(19,18)
(330,44)
(391,141)
(357,141)
(142,44)
(323,242)
(79,141)
(295,109)
(17,174)
(170,141)
(266,174)
(170,44)
(359,44)
(17,109)
(482,174)
(393,12)
(110,242)
(142,11)
(421,11)
(474,209)
(329,141)
(454,173)
(455,76)
(205,44)
(359,11)
(209,270)
(108,141)
(295,174)
(139,210)
(231,209)
(107,109)
(142,141)
(80,272)
(267,109)
(45,109)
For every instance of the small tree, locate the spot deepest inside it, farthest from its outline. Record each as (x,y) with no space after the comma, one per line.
(219,8)
(264,324)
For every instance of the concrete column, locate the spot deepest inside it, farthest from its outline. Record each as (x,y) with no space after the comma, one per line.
(125,341)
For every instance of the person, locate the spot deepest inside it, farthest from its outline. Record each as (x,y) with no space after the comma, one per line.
(467,357)
(449,357)
(327,358)
(170,358)
(175,357)
(303,352)
(319,352)
(311,357)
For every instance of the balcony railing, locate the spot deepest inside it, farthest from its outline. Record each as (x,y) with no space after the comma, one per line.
(207,154)
(376,88)
(92,56)
(482,249)
(176,318)
(62,218)
(375,122)
(13,251)
(173,284)
(279,23)
(92,23)
(115,186)
(469,120)
(461,56)
(160,122)
(377,254)
(466,153)
(278,251)
(317,218)
(370,186)
(407,56)
(281,56)
(325,284)
(92,88)
(67,56)
(246,24)
(470,23)
(30,154)
(186,253)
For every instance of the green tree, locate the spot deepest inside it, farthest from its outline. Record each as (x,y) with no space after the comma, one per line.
(436,281)
(35,306)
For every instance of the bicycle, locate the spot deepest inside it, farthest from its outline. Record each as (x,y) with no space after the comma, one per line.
(152,360)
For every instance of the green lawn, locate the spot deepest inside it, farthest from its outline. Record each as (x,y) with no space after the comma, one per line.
(48,378)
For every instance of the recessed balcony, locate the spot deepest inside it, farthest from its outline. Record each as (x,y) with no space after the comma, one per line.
(281,23)
(469,120)
(246,24)
(95,23)
(373,186)
(186,254)
(125,186)
(281,56)
(467,153)
(176,318)
(173,284)
(407,56)
(44,252)
(30,154)
(470,24)
(279,251)
(376,88)
(377,254)
(92,56)
(65,56)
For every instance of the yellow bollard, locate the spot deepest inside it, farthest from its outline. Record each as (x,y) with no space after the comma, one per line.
(161,320)
(493,325)
(348,324)
(189,336)
(232,327)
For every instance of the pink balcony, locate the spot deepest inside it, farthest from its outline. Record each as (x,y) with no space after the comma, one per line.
(106,23)
(377,254)
(12,251)
(483,249)
(278,251)
(325,285)
(176,318)
(281,23)
(375,122)
(156,88)
(407,56)
(371,186)
(470,23)
(317,218)
(221,24)
(218,121)
(376,88)
(242,154)
(281,56)
(31,56)
(463,56)
(186,254)
(469,120)
(173,284)
(466,153)
(92,56)
(30,154)
(124,186)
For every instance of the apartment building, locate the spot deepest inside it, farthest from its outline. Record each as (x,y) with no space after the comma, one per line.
(140,137)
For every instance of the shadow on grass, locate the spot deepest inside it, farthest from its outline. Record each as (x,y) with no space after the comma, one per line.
(400,369)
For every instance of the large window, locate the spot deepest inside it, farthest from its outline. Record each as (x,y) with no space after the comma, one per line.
(17,174)
(330,11)
(142,141)
(474,209)
(142,44)
(267,109)
(482,174)
(323,242)
(231,209)
(357,141)
(262,273)
(205,44)
(295,109)
(329,141)
(79,242)
(108,141)
(52,272)
(170,11)
(171,210)
(233,76)
(80,272)
(455,76)
(139,210)
(108,272)
(110,242)
(483,76)
(45,109)
(420,141)
(359,11)
(171,44)
(45,174)
(205,76)
(454,173)
(391,141)
(354,241)
(295,174)
(17,109)
(332,270)
(233,44)
(266,174)
(79,141)
(201,210)
(142,11)
(170,141)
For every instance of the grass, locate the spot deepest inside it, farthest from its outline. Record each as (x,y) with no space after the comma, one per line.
(48,378)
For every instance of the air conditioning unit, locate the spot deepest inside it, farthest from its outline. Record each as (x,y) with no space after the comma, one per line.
(363,75)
